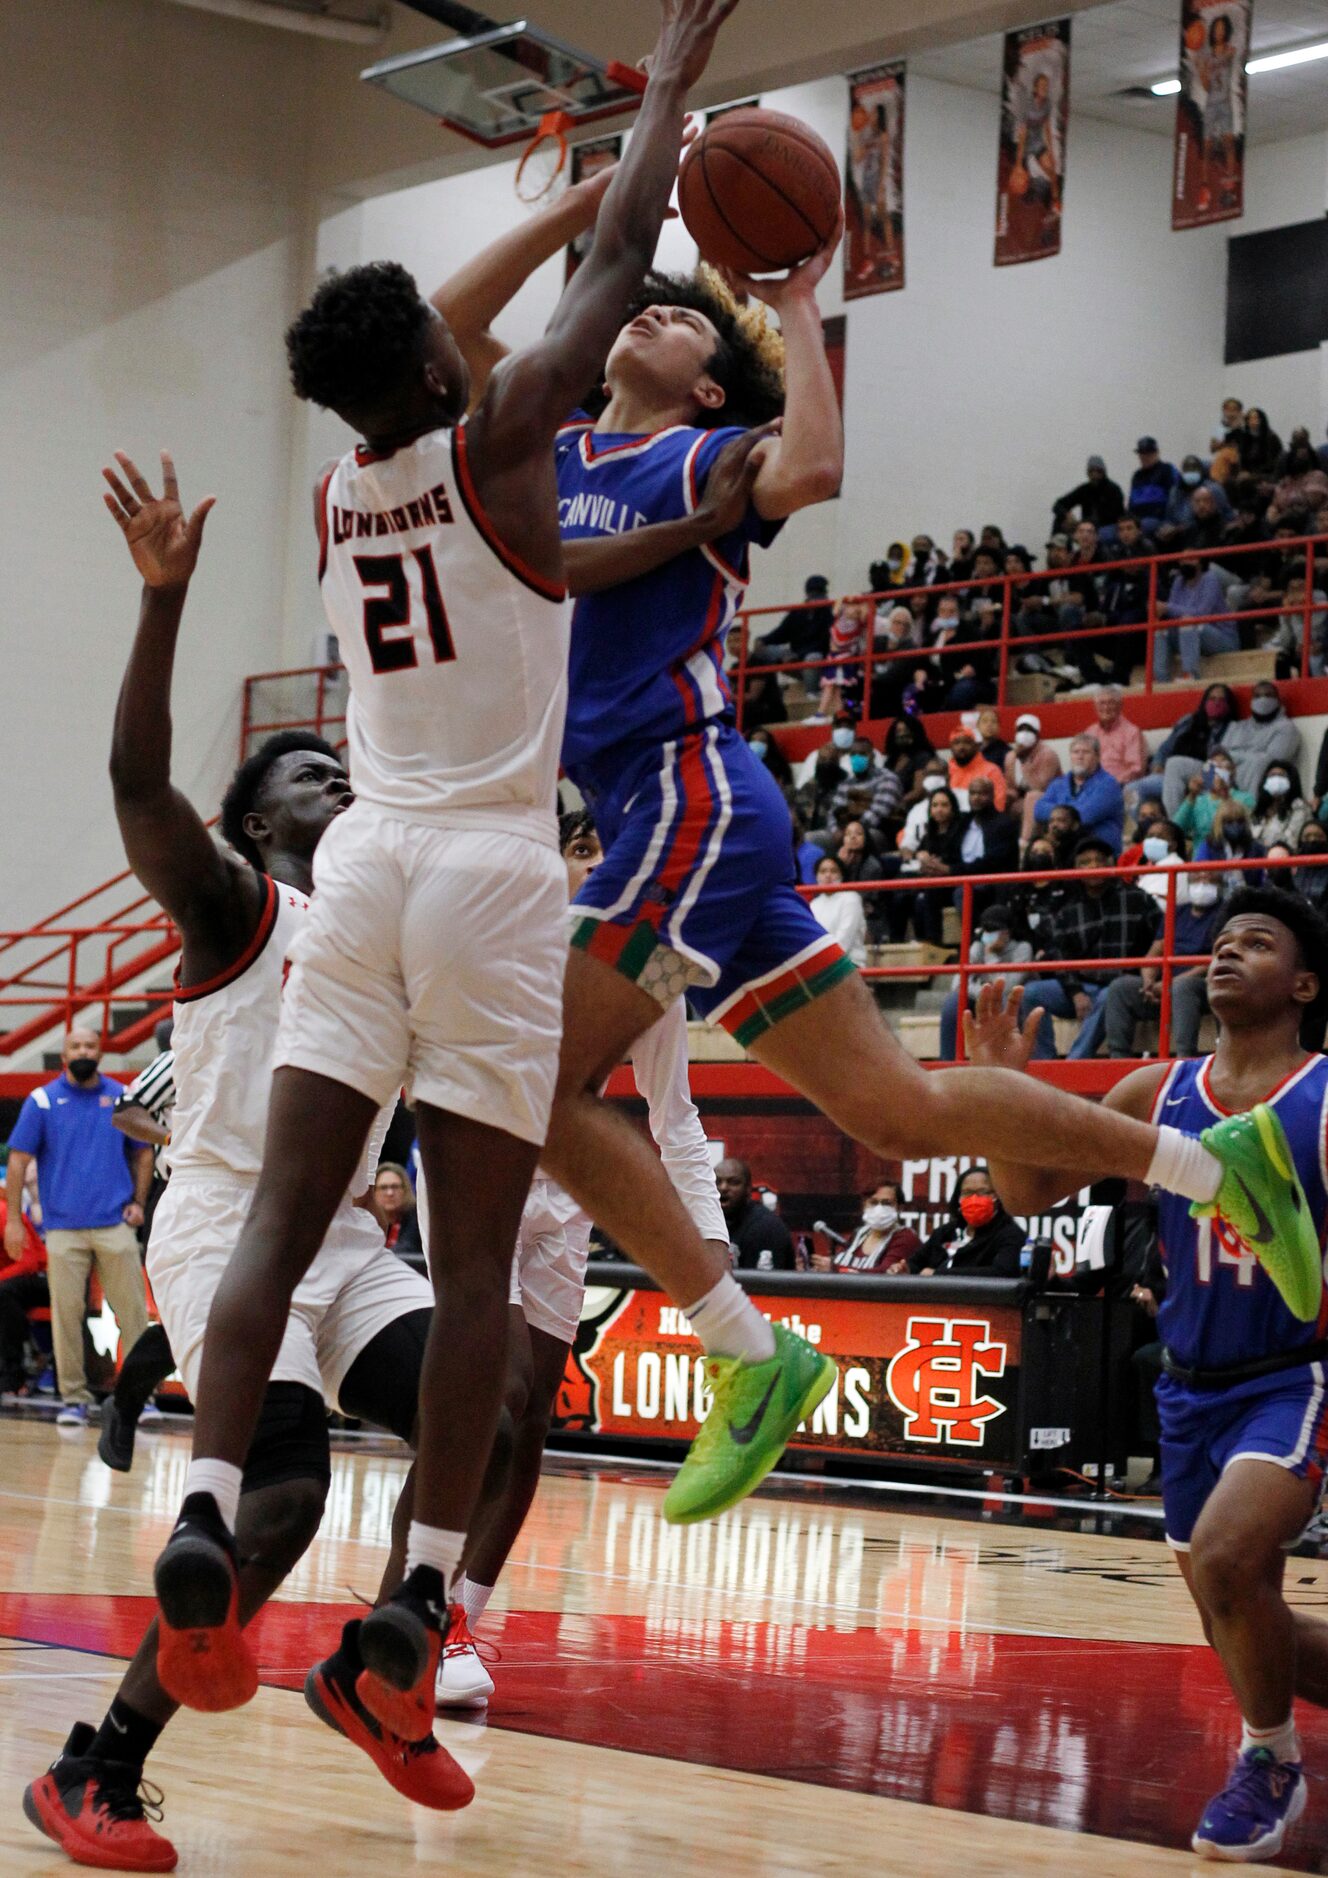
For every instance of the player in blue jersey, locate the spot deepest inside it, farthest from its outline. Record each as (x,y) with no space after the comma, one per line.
(1242,1401)
(697,893)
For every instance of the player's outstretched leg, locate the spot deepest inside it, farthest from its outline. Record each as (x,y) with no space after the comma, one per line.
(764,1379)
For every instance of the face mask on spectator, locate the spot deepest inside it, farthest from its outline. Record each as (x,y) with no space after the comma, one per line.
(82,1069)
(757,745)
(1025,739)
(1038,858)
(1237,833)
(842,737)
(1277,785)
(1156,848)
(1215,770)
(1264,707)
(1191,478)
(978,1209)
(932,783)
(1203,893)
(858,763)
(1215,707)
(878,1217)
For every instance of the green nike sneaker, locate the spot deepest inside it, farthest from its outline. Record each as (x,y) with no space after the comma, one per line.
(756,1408)
(1261,1196)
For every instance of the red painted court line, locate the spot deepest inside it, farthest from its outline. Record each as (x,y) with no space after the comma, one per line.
(1127,1740)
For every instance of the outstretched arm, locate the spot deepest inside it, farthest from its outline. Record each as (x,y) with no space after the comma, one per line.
(166,842)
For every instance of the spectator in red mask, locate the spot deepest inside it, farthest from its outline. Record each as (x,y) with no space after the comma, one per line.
(978,1236)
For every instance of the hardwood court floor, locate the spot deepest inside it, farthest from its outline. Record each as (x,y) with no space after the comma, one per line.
(805,1686)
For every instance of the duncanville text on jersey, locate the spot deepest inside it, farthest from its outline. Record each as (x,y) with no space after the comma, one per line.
(601,515)
(428,511)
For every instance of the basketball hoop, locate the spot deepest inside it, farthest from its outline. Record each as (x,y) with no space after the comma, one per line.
(545,157)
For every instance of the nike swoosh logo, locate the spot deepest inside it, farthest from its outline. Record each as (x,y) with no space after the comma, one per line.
(747,1433)
(119,1727)
(1172,1101)
(1263,1232)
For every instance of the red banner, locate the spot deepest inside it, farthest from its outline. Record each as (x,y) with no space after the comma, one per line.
(1030,170)
(588,159)
(1209,176)
(874,182)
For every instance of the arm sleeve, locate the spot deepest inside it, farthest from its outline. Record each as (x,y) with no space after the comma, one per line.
(29,1129)
(659,1063)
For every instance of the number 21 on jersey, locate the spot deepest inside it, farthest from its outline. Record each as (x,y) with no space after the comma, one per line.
(386,612)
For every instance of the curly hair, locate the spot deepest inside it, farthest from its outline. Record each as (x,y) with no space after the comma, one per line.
(359,337)
(749,359)
(1308,928)
(246,785)
(575,825)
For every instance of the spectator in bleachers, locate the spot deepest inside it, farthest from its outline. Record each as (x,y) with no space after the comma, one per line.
(1120,743)
(803,633)
(1192,508)
(1287,636)
(1231,838)
(829,768)
(1151,486)
(1260,447)
(907,747)
(1163,847)
(93,1184)
(842,914)
(1233,416)
(762,700)
(933,775)
(394,1200)
(880,1244)
(1134,996)
(1301,489)
(1188,747)
(967,761)
(1101,918)
(991,840)
(1196,590)
(994,943)
(1205,792)
(1034,906)
(961,554)
(927,565)
(1064,828)
(898,633)
(1280,810)
(939,851)
(768,754)
(1030,766)
(979,1235)
(874,788)
(1312,882)
(854,852)
(1088,788)
(807,854)
(1097,499)
(758,1238)
(850,623)
(990,741)
(1267,735)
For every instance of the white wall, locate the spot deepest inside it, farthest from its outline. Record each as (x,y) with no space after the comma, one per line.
(150,222)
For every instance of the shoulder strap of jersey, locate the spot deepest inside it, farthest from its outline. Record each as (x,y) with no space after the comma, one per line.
(267,919)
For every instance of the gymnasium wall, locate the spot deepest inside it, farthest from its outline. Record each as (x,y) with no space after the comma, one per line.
(976,393)
(151,221)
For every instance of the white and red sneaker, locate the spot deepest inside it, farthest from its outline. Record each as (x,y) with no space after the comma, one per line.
(463,1681)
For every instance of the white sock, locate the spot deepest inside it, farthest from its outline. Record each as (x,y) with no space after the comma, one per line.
(729,1324)
(475,1598)
(1182,1164)
(1283,1741)
(222,1481)
(436,1546)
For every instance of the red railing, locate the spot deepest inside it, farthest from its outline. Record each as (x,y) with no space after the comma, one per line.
(1165,962)
(1009,645)
(325,712)
(85,972)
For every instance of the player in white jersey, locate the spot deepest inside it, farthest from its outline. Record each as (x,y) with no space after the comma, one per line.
(358,1324)
(548,1285)
(434,951)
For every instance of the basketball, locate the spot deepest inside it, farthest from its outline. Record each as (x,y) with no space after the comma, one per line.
(759,191)
(1018,181)
(1194,35)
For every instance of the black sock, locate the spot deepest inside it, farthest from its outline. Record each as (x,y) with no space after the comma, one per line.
(125,1735)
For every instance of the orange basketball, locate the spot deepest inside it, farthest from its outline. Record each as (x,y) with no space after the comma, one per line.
(1194,35)
(759,191)
(1018,180)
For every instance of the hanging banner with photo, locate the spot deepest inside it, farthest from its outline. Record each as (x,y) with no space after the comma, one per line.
(588,159)
(1209,176)
(874,182)
(1030,171)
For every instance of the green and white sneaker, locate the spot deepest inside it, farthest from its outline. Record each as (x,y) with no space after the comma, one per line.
(1261,1196)
(756,1408)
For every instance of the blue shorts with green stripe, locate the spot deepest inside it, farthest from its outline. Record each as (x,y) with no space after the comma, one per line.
(697,891)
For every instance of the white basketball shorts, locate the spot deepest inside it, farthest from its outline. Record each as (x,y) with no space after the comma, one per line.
(354,1288)
(549,1266)
(432,957)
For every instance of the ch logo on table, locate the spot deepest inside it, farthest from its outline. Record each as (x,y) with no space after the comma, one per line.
(934,1379)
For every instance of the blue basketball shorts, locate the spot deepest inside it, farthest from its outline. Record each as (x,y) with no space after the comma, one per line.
(1281,1418)
(697,891)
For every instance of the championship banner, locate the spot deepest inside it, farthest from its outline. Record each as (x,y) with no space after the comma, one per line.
(874,182)
(588,159)
(1209,176)
(1030,170)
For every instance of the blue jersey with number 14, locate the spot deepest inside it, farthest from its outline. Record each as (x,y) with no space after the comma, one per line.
(1221,1306)
(647,655)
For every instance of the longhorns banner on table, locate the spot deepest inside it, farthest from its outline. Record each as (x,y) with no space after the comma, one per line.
(1208,178)
(1030,169)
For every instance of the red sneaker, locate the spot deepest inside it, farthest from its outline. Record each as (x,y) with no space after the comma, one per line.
(94,1811)
(400,1644)
(203,1660)
(421,1770)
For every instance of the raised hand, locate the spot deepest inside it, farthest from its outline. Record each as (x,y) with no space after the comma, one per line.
(993,1035)
(801,280)
(687,31)
(163,543)
(728,490)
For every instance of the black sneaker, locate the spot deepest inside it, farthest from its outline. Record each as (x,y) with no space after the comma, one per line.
(203,1660)
(94,1809)
(115,1443)
(400,1644)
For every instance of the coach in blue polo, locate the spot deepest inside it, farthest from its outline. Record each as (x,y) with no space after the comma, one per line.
(92,1183)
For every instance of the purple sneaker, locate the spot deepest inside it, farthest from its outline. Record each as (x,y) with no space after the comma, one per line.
(1247,1821)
